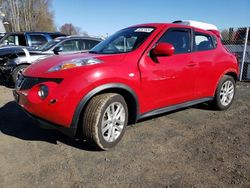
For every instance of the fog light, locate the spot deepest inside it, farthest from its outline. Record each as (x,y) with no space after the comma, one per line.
(43,91)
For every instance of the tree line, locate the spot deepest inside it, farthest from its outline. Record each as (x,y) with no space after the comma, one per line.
(33,15)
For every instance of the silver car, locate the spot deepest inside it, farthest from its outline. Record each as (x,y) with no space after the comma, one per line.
(15,65)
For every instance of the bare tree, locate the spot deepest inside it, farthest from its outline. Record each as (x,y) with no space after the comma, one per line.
(14,17)
(70,29)
(225,34)
(29,15)
(84,33)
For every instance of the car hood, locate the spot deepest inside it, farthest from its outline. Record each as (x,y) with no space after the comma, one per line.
(9,51)
(41,68)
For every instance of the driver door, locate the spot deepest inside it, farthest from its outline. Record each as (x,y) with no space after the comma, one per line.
(169,80)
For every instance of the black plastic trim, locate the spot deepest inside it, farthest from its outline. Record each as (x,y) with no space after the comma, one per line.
(71,132)
(29,82)
(174,107)
(101,88)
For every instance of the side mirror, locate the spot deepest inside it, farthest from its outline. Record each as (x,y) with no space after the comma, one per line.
(163,49)
(57,49)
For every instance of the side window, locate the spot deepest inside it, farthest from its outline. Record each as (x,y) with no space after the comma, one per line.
(37,40)
(179,38)
(12,40)
(16,40)
(88,44)
(203,42)
(71,45)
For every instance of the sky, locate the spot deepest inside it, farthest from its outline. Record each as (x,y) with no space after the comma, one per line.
(104,17)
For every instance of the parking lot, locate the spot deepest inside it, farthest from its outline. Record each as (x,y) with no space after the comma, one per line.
(193,147)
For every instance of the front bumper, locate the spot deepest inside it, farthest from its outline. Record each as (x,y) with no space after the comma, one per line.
(54,108)
(71,131)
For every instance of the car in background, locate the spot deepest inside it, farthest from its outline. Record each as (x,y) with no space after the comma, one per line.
(140,71)
(1,35)
(19,58)
(31,39)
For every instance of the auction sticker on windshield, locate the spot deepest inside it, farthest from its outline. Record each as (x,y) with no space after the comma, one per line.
(146,30)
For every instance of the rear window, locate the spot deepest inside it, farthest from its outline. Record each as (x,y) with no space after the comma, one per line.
(37,40)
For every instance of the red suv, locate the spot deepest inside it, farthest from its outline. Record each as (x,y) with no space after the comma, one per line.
(138,72)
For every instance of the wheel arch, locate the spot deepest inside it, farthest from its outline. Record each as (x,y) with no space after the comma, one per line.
(233,74)
(18,65)
(230,72)
(128,94)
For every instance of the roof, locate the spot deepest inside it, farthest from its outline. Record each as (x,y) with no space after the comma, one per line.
(79,37)
(199,26)
(36,32)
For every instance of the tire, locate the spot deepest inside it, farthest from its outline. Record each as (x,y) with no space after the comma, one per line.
(17,71)
(102,126)
(225,93)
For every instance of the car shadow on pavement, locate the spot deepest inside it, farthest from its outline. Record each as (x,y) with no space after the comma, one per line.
(204,106)
(15,122)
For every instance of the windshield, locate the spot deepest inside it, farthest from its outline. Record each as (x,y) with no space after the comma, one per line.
(123,41)
(49,45)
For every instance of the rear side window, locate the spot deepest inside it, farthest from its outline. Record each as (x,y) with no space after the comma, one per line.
(179,38)
(37,40)
(203,42)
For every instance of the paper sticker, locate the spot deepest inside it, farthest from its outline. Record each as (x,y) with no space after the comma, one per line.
(144,29)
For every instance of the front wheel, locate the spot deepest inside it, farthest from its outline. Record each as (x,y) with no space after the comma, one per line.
(105,119)
(17,72)
(225,93)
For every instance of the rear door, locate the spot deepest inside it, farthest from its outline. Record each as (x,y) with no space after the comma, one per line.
(170,80)
(204,56)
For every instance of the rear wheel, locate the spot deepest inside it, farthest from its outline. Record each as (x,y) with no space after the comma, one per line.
(105,120)
(225,93)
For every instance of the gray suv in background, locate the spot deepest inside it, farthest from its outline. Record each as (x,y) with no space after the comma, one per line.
(13,64)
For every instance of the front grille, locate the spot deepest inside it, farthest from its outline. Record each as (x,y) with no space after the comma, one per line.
(29,82)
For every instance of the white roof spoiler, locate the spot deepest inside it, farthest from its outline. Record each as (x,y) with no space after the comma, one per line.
(197,24)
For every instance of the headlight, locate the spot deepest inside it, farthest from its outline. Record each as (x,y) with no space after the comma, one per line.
(75,63)
(43,91)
